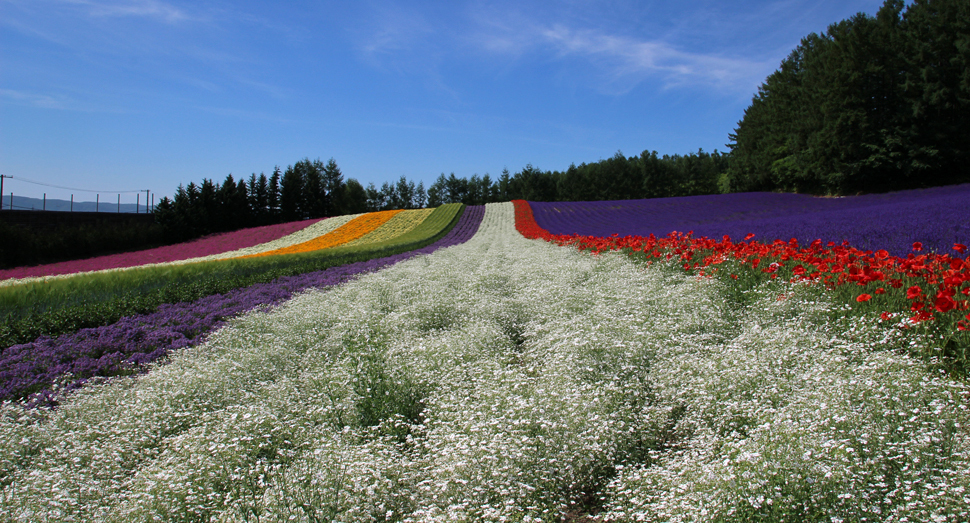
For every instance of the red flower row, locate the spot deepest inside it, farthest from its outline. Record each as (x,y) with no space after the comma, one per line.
(940,279)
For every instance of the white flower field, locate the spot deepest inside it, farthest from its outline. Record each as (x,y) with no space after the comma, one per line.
(507,379)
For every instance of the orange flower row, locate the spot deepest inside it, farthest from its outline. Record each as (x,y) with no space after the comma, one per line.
(348,232)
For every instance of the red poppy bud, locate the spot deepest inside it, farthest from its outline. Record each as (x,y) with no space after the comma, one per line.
(863,298)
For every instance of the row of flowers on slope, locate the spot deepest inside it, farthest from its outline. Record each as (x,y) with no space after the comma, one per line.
(400,224)
(918,288)
(352,230)
(208,246)
(38,373)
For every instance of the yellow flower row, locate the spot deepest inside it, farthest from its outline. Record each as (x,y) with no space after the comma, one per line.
(401,223)
(350,231)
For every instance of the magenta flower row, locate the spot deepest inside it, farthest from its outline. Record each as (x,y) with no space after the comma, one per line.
(207,246)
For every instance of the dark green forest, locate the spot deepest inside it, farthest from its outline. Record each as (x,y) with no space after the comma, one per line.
(874,104)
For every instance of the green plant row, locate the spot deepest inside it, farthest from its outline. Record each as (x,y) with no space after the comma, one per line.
(66,305)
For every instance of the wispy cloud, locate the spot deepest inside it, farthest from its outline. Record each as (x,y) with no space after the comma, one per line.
(393,30)
(42,101)
(132,8)
(626,59)
(616,55)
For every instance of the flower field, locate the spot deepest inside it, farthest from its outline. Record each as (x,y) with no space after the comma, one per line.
(936,217)
(502,372)
(352,230)
(401,223)
(212,245)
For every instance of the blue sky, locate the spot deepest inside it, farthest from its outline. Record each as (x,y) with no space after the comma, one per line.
(114,95)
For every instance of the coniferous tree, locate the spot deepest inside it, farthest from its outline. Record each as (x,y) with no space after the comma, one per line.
(273,196)
(876,103)
(354,200)
(436,191)
(420,196)
(291,195)
(405,193)
(375,198)
(333,186)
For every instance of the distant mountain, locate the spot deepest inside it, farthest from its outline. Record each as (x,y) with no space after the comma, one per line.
(24,203)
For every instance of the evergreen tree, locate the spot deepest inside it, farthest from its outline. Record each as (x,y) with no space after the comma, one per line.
(291,195)
(405,193)
(354,199)
(436,193)
(375,198)
(273,196)
(333,186)
(873,104)
(420,196)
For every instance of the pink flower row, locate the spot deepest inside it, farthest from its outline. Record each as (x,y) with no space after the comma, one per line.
(214,244)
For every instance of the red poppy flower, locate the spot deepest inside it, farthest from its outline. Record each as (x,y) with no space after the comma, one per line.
(751,235)
(917,246)
(798,270)
(863,298)
(945,303)
(880,290)
(913,292)
(885,316)
(960,248)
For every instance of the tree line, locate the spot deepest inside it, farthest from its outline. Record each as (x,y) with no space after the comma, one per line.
(313,189)
(876,103)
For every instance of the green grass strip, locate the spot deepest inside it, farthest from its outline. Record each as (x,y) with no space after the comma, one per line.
(56,307)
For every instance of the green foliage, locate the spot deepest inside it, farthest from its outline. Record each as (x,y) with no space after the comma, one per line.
(874,104)
(65,305)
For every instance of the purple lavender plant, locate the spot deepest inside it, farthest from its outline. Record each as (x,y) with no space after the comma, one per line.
(937,217)
(29,371)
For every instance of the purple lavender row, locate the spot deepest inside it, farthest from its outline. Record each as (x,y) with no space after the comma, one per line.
(937,217)
(29,370)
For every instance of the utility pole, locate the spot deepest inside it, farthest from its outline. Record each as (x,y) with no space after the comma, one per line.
(2,176)
(147,210)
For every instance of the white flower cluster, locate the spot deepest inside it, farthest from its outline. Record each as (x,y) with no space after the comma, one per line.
(506,380)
